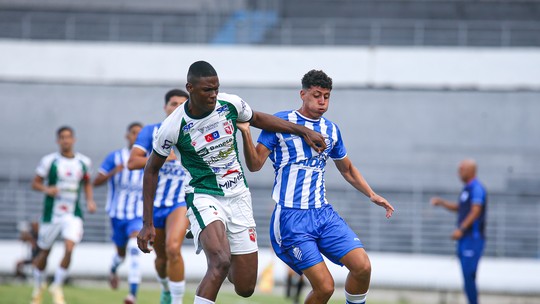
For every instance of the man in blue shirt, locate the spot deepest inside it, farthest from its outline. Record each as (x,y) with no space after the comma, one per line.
(471,223)
(304,226)
(124,207)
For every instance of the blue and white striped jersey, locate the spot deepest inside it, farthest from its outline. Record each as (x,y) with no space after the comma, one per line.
(299,170)
(124,193)
(171,187)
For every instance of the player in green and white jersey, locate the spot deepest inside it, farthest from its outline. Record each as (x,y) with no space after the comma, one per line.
(60,176)
(203,132)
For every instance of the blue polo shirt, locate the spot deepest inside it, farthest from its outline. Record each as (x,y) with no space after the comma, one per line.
(473,193)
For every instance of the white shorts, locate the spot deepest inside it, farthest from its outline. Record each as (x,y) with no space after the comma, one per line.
(235,212)
(69,225)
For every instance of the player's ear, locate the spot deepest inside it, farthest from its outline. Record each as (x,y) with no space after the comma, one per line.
(189,87)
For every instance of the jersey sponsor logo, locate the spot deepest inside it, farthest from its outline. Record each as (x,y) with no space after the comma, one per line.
(187,127)
(252,235)
(212,136)
(226,166)
(243,105)
(316,162)
(193,143)
(297,253)
(166,145)
(203,152)
(209,127)
(232,182)
(227,142)
(223,110)
(230,171)
(221,155)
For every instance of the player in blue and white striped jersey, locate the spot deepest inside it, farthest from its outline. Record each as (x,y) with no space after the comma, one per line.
(169,216)
(304,225)
(124,207)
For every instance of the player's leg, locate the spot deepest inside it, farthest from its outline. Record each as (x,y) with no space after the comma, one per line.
(120,241)
(134,271)
(47,234)
(358,279)
(470,250)
(176,226)
(160,264)
(322,283)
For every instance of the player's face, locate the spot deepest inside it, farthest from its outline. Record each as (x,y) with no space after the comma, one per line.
(173,103)
(131,135)
(315,101)
(65,141)
(203,94)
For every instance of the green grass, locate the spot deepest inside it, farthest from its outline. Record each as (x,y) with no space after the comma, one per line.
(20,294)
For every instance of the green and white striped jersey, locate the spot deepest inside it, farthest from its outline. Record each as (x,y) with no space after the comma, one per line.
(68,175)
(207,146)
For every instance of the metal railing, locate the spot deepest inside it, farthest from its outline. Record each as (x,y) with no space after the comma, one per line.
(203,28)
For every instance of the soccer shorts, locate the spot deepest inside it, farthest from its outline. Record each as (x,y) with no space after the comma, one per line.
(122,229)
(300,237)
(70,226)
(161,214)
(236,213)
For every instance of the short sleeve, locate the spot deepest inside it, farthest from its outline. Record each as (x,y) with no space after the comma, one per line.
(268,139)
(44,166)
(338,150)
(477,195)
(108,164)
(245,113)
(144,139)
(167,135)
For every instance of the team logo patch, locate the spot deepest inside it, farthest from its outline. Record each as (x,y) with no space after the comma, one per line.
(166,145)
(297,253)
(228,126)
(252,235)
(223,110)
(212,136)
(187,127)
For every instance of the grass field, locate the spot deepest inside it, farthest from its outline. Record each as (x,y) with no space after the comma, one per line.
(20,294)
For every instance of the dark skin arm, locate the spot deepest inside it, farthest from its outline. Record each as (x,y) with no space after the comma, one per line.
(274,124)
(475,212)
(146,236)
(255,156)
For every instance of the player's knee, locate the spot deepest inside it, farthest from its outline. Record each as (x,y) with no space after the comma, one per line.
(220,265)
(245,291)
(361,271)
(326,290)
(172,249)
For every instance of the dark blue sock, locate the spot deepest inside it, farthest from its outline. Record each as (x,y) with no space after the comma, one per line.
(133,289)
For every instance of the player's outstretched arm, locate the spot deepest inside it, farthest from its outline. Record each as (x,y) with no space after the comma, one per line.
(353,176)
(255,156)
(437,201)
(275,124)
(137,159)
(102,178)
(146,236)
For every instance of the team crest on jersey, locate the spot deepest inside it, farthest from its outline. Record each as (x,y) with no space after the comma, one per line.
(252,235)
(297,253)
(166,145)
(187,127)
(228,126)
(212,136)
(223,110)
(464,196)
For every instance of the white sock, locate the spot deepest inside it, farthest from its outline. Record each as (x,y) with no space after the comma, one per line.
(199,300)
(134,271)
(60,276)
(116,261)
(39,278)
(164,282)
(361,298)
(177,291)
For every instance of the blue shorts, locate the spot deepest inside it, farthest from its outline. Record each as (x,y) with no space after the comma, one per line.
(300,236)
(122,229)
(161,214)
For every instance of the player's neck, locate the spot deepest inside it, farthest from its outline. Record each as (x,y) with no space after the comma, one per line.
(67,154)
(306,114)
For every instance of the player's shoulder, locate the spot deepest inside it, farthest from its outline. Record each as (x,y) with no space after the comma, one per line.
(229,97)
(49,158)
(85,159)
(284,114)
(328,122)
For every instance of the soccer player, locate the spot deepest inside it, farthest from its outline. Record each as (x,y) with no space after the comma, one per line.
(304,225)
(220,211)
(60,176)
(471,224)
(124,206)
(169,213)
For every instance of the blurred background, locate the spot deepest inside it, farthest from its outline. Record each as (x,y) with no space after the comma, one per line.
(418,86)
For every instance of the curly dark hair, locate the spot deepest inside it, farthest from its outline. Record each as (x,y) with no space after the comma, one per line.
(316,78)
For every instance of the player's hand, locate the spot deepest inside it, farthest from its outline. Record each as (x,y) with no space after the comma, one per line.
(436,201)
(117,169)
(91,206)
(51,191)
(145,238)
(315,140)
(381,201)
(457,234)
(242,126)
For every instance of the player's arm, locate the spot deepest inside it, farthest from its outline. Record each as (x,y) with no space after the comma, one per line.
(103,176)
(353,176)
(89,194)
(255,156)
(150,180)
(38,184)
(474,214)
(438,201)
(275,124)
(137,159)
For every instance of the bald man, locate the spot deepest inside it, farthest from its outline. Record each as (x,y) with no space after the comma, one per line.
(470,231)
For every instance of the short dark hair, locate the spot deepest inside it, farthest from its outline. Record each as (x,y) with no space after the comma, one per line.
(134,124)
(64,128)
(200,69)
(175,92)
(316,78)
